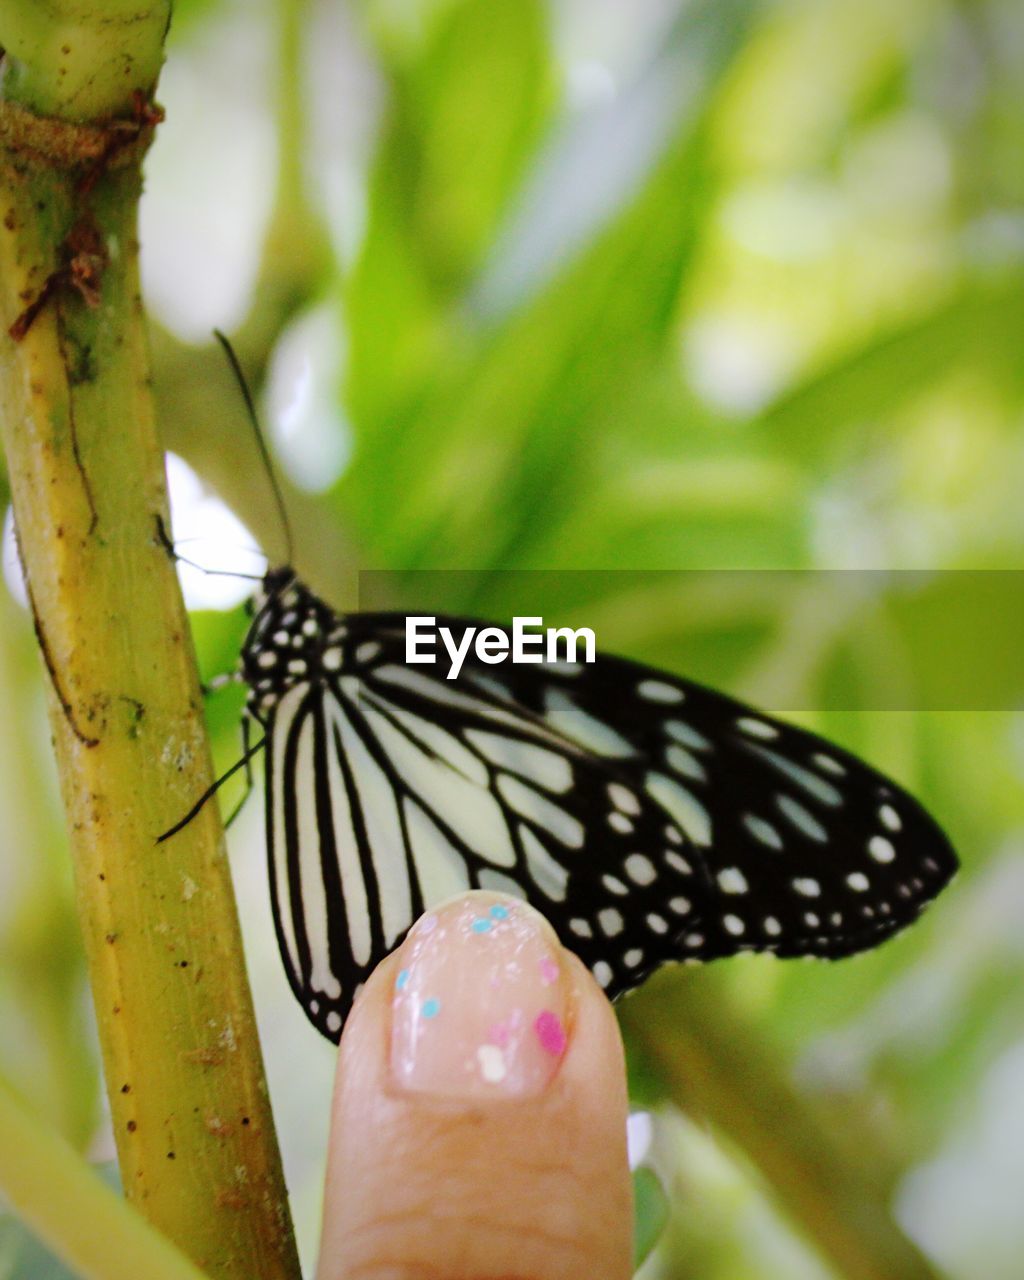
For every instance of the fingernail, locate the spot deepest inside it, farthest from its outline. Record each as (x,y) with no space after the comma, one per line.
(480,1001)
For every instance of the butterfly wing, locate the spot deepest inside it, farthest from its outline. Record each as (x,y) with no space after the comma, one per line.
(803,848)
(808,850)
(647,817)
(388,792)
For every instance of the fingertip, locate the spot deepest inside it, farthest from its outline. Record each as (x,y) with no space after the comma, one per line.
(513,1173)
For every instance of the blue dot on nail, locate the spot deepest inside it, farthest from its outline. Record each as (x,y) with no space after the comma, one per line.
(481,925)
(499,912)
(402,980)
(431,1007)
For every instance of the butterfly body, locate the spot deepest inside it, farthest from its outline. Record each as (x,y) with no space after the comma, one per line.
(650,819)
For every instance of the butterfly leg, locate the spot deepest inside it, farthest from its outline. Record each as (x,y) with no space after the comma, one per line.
(250,781)
(164,540)
(214,685)
(244,763)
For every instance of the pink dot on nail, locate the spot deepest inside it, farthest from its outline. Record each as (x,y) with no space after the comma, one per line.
(550,1033)
(498,1034)
(428,924)
(548,971)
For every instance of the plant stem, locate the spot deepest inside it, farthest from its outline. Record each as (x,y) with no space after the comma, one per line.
(84,1222)
(706,1061)
(181,1057)
(80,61)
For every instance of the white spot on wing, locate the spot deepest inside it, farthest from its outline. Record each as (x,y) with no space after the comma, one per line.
(440,867)
(687,735)
(640,869)
(732,880)
(610,921)
(811,783)
(678,863)
(622,798)
(757,728)
(551,770)
(801,818)
(584,729)
(881,849)
(807,887)
(659,691)
(890,818)
(683,762)
(762,830)
(550,877)
(682,805)
(491,879)
(544,812)
(494,687)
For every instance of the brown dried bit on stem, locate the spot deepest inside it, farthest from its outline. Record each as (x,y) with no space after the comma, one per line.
(146,116)
(31,141)
(41,142)
(87,259)
(83,258)
(48,662)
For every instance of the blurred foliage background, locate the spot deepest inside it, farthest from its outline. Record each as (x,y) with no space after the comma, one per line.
(631,289)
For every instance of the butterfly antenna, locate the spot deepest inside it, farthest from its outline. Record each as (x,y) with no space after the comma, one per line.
(261,443)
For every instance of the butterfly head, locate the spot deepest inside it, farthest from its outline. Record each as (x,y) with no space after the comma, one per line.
(292,640)
(276,582)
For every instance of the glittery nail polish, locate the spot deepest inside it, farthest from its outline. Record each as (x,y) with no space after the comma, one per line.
(480,1001)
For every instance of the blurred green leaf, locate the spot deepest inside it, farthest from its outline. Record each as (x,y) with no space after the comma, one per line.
(509,437)
(463,119)
(859,391)
(651,1211)
(716,1065)
(24,1257)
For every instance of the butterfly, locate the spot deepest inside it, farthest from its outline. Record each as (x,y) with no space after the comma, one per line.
(650,819)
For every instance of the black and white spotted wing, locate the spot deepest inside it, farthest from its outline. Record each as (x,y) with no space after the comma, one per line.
(648,818)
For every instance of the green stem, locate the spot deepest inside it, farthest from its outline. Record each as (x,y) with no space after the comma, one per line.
(82,1220)
(684,1036)
(76,60)
(182,1062)
(49,1059)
